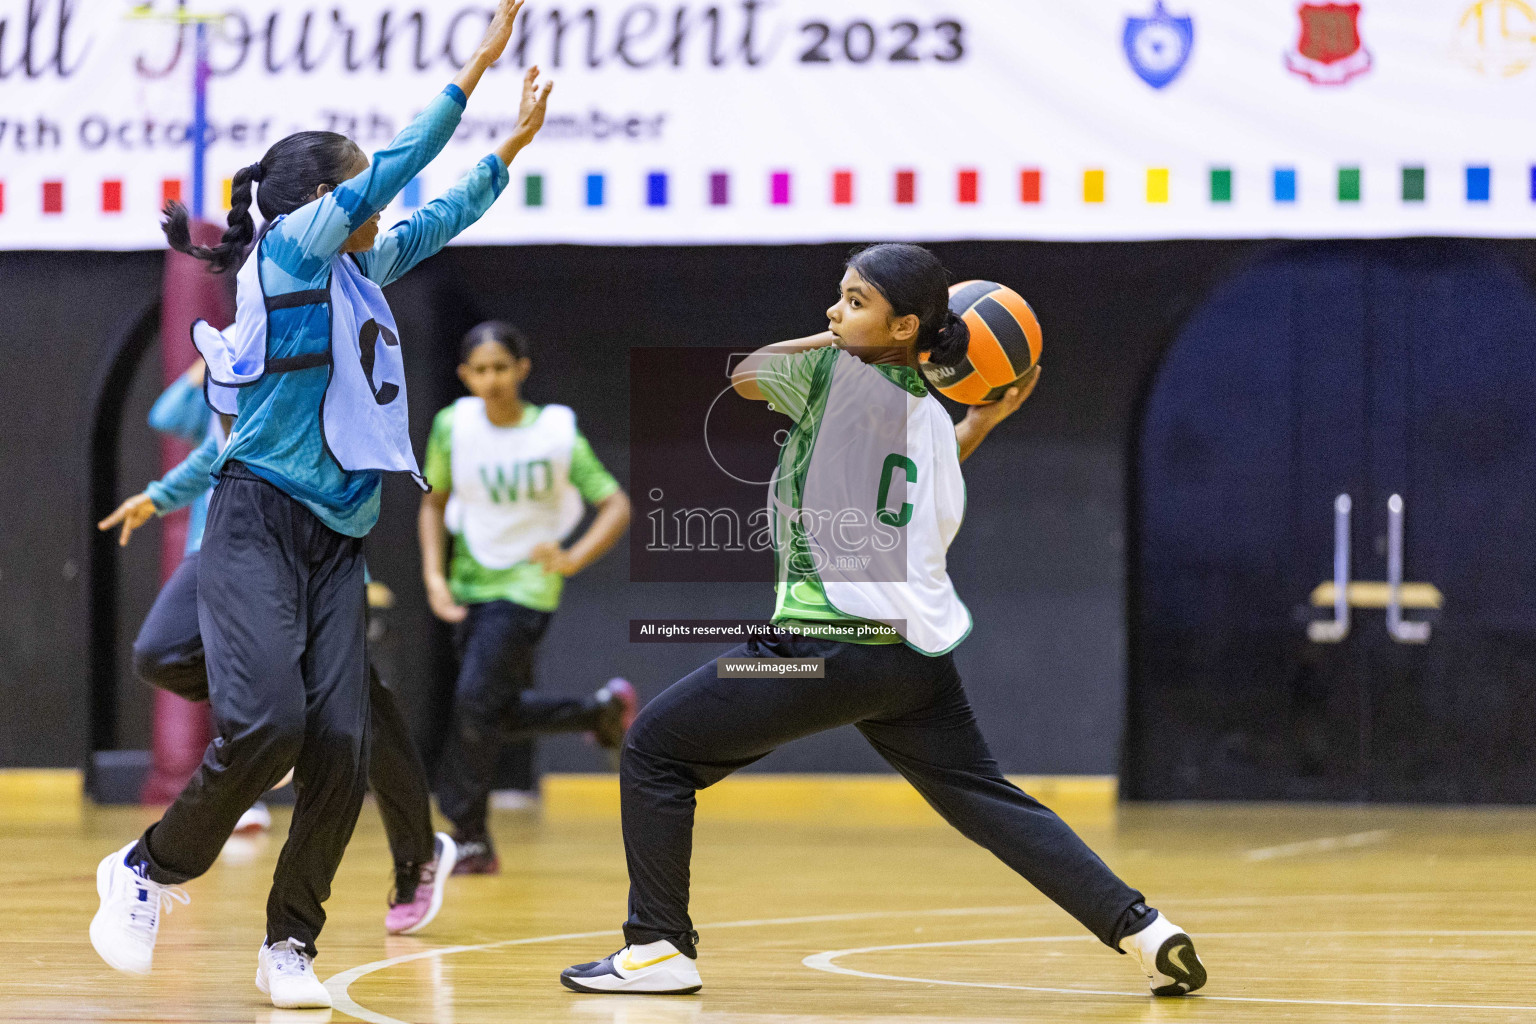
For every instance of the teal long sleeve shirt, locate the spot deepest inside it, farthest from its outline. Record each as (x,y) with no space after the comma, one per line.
(277,433)
(187,484)
(181,411)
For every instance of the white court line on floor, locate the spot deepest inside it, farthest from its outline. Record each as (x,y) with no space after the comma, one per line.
(1327,844)
(825,962)
(339,984)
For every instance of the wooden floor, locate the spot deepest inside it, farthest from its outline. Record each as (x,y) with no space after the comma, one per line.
(834,914)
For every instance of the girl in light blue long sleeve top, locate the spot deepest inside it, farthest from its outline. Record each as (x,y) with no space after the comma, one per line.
(296,253)
(280,576)
(182,412)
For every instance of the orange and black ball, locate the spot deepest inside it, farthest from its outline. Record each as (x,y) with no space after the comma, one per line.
(1005,343)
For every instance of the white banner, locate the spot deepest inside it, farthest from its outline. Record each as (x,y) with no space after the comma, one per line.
(712,121)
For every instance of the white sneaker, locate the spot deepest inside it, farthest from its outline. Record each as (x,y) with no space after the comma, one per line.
(255,819)
(655,968)
(287,974)
(125,927)
(1167,957)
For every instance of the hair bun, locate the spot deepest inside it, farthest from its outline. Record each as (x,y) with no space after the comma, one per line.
(952,341)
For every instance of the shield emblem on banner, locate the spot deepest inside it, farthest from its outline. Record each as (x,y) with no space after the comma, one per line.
(1158,46)
(1330,51)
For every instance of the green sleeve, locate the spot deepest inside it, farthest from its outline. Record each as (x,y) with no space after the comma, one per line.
(787,380)
(439,467)
(588,474)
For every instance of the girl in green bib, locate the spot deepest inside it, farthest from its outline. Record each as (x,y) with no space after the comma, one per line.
(867,497)
(510,481)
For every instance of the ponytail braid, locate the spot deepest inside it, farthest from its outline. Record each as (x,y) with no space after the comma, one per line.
(950,343)
(230,251)
(291,173)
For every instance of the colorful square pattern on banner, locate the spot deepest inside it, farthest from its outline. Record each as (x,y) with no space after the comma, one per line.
(811,120)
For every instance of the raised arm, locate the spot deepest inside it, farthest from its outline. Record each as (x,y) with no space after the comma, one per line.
(430,228)
(744,377)
(181,410)
(497,33)
(317,230)
(188,480)
(303,242)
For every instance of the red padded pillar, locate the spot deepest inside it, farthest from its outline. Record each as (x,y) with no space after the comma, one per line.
(182,729)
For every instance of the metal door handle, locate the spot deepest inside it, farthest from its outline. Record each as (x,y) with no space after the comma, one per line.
(1331,631)
(1403,631)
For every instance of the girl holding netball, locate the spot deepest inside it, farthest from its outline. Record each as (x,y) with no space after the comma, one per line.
(868,445)
(312,372)
(509,481)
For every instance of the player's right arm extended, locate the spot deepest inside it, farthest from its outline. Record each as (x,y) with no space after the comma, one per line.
(745,374)
(315,232)
(179,487)
(187,481)
(181,410)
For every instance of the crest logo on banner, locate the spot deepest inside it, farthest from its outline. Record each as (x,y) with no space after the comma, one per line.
(1329,51)
(1158,46)
(1498,37)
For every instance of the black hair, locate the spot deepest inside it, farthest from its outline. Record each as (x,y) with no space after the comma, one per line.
(289,174)
(498,331)
(914,281)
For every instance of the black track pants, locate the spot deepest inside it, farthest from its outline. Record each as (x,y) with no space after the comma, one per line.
(493,701)
(282,615)
(168,653)
(913,711)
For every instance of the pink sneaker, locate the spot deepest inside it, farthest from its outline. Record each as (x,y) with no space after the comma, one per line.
(620,707)
(410,912)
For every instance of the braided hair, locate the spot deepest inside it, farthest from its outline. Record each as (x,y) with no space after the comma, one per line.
(289,174)
(913,281)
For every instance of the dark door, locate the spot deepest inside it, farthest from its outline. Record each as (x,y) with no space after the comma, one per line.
(1367,369)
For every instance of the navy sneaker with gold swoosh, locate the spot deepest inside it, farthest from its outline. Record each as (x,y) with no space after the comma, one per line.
(655,968)
(1167,957)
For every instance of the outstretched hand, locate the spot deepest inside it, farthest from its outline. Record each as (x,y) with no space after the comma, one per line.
(530,115)
(530,112)
(492,45)
(494,42)
(132,514)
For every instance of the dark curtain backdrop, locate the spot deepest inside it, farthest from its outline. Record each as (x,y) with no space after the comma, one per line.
(1046,665)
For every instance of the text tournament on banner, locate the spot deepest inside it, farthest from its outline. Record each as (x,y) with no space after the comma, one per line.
(811,120)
